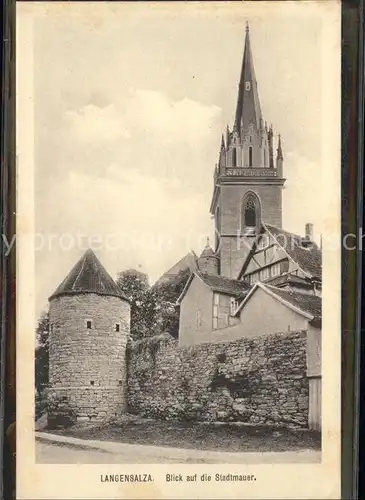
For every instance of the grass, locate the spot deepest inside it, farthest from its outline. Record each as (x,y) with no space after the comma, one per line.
(202,436)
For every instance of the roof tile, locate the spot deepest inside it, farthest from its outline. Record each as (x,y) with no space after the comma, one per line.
(224,285)
(312,304)
(88,276)
(308,258)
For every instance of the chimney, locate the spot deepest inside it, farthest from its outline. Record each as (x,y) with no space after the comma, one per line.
(309,231)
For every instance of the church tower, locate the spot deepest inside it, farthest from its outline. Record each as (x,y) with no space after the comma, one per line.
(247,182)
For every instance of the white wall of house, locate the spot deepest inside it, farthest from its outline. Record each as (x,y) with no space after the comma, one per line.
(196,310)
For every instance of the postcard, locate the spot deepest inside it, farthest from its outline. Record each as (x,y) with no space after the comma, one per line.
(179,287)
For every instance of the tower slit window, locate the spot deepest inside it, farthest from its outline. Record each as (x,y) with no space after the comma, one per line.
(250,156)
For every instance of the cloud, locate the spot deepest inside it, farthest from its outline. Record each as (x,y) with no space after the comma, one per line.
(96,124)
(183,120)
(147,112)
(145,131)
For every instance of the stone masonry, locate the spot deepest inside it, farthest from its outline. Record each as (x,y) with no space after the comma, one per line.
(260,380)
(87,365)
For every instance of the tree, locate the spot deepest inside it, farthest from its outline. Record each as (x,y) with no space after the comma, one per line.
(166,295)
(134,285)
(42,353)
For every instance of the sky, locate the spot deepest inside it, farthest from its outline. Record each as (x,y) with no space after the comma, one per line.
(129,108)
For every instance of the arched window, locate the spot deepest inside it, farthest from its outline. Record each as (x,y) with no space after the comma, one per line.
(234,157)
(250,156)
(250,214)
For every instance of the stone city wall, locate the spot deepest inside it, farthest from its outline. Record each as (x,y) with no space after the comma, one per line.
(258,380)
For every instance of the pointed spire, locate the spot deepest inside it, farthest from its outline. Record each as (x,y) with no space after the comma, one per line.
(223,146)
(222,155)
(279,150)
(248,109)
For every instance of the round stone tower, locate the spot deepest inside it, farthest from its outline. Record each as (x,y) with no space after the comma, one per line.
(89,327)
(208,261)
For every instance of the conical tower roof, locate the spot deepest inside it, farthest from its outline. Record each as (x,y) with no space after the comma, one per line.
(207,251)
(88,276)
(248,109)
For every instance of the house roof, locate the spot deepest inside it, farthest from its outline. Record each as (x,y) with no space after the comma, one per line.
(189,261)
(290,279)
(224,285)
(88,276)
(218,284)
(308,257)
(309,306)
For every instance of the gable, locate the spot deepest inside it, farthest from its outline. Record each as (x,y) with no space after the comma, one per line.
(277,317)
(274,245)
(266,253)
(308,258)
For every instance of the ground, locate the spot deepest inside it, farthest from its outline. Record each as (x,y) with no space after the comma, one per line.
(52,453)
(227,437)
(73,451)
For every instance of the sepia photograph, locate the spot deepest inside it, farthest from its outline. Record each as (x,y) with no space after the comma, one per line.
(183,206)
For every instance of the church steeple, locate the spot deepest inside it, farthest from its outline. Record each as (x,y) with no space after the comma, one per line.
(248,110)
(249,177)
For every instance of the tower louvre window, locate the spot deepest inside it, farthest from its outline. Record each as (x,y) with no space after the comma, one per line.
(234,157)
(250,156)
